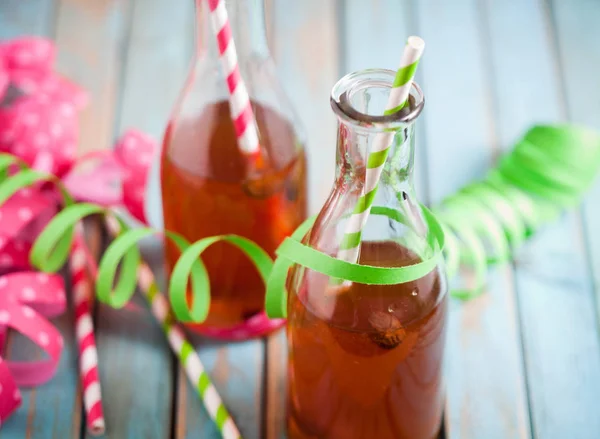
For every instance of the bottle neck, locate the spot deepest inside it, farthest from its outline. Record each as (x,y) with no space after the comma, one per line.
(355,151)
(247,22)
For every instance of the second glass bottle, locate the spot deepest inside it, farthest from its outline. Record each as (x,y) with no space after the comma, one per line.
(206,190)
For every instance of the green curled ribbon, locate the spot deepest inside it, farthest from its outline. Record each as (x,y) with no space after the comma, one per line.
(51,250)
(24,177)
(546,172)
(52,247)
(292,251)
(21,179)
(124,254)
(191,256)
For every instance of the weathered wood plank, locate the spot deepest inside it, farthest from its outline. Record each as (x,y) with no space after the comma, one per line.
(384,26)
(484,374)
(158,57)
(54,409)
(91,37)
(275,390)
(305,47)
(374,33)
(578,41)
(560,326)
(32,17)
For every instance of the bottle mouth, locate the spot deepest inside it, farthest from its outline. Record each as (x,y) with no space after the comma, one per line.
(361,97)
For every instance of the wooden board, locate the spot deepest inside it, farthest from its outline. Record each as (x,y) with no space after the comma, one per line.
(578,39)
(560,325)
(523,360)
(484,373)
(372,37)
(19,18)
(301,41)
(158,56)
(275,386)
(90,37)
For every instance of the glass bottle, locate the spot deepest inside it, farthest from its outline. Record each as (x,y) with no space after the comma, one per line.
(207,189)
(366,360)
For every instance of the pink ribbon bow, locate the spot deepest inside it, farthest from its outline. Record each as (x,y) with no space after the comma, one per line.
(39,124)
(24,298)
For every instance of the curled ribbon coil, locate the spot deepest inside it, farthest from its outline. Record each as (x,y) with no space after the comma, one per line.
(544,174)
(292,251)
(51,250)
(547,172)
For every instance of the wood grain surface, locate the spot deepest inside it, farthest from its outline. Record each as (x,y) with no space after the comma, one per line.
(523,359)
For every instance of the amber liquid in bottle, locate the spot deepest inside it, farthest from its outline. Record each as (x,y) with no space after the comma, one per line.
(366,362)
(206,192)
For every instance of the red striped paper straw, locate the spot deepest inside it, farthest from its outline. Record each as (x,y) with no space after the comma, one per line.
(239,100)
(84,330)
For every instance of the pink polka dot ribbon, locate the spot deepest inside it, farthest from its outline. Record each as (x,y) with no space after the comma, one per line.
(39,124)
(39,112)
(26,298)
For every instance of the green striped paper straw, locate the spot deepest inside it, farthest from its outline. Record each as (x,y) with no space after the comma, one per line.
(184,350)
(350,245)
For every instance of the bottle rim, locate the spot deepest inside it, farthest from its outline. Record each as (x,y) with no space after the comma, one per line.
(342,91)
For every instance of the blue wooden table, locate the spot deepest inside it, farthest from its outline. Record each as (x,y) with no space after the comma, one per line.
(523,359)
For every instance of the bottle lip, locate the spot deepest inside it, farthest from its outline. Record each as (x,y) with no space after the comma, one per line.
(380,78)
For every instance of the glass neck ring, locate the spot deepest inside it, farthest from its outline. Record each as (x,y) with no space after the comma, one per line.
(359,99)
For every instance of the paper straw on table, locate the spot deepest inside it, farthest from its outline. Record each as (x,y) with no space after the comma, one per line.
(239,100)
(184,350)
(350,245)
(84,330)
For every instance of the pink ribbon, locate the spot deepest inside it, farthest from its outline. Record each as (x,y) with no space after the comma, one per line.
(24,298)
(39,124)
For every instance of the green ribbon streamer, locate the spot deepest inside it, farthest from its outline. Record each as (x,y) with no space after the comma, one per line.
(23,178)
(292,251)
(191,256)
(547,172)
(52,247)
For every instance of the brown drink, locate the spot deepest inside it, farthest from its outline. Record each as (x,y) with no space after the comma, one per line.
(206,192)
(366,361)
